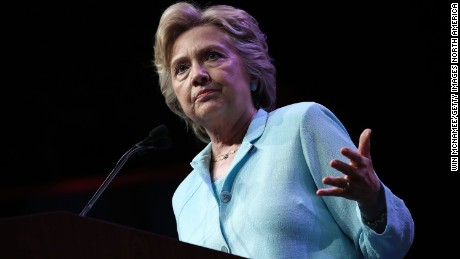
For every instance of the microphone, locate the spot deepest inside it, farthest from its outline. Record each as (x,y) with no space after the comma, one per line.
(157,139)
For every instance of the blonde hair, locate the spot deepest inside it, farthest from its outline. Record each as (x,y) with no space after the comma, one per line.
(244,32)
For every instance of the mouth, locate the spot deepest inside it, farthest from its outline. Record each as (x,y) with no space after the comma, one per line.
(203,93)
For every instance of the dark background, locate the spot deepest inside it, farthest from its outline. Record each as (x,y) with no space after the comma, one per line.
(79,90)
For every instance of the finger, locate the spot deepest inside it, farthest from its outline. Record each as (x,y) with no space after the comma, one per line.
(339,182)
(334,191)
(355,157)
(330,192)
(343,167)
(364,147)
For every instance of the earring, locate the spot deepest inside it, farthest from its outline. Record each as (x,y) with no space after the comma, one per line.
(253,86)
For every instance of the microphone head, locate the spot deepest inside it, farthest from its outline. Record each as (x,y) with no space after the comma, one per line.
(158,138)
(158,132)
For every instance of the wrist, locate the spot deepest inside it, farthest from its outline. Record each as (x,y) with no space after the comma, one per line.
(374,223)
(373,210)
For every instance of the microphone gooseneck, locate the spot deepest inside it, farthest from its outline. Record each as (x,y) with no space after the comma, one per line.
(157,139)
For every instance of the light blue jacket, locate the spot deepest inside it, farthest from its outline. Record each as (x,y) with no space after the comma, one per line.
(267,207)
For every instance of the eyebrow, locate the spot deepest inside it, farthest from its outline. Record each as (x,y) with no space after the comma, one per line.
(218,47)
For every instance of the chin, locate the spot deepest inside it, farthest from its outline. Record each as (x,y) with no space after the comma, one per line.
(209,110)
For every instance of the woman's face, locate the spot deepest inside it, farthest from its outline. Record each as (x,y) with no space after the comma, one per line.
(208,76)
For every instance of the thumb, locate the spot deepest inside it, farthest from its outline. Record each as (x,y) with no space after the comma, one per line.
(364,147)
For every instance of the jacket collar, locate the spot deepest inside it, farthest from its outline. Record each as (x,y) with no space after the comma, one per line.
(255,130)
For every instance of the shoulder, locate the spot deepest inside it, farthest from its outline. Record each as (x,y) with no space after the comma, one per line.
(311,117)
(300,109)
(301,112)
(294,107)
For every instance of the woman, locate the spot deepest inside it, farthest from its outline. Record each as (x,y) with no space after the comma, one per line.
(271,183)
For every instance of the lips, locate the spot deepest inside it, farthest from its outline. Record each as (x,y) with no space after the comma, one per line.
(204,92)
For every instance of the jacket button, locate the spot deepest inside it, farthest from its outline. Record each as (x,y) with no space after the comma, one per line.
(224,249)
(225,196)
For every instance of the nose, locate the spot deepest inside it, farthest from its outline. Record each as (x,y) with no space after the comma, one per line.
(200,75)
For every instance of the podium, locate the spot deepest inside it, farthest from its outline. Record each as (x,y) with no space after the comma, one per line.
(66,235)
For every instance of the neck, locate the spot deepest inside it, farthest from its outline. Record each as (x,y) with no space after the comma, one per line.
(231,133)
(230,137)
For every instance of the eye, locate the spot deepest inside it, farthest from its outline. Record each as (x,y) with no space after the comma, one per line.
(180,69)
(214,55)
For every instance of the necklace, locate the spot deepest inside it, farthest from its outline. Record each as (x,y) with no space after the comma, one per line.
(224,156)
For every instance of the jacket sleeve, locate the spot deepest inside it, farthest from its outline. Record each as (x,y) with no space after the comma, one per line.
(322,136)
